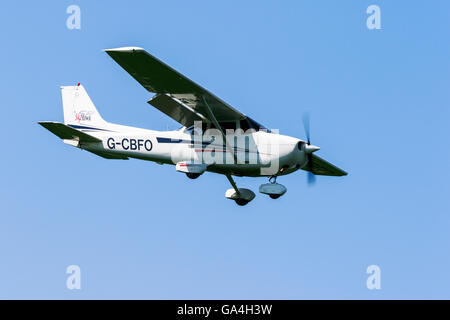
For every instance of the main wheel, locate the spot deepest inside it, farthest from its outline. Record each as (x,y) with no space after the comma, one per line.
(274,196)
(191,175)
(241,202)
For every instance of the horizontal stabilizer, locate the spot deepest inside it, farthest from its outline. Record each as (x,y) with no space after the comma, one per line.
(67,133)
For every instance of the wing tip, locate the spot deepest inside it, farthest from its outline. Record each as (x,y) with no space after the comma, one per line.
(124,49)
(45,123)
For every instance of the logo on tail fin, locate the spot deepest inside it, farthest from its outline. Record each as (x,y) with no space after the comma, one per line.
(83,116)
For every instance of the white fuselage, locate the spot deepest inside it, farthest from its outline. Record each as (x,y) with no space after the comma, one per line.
(258,153)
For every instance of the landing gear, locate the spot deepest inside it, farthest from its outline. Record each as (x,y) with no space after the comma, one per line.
(191,175)
(241,197)
(273,189)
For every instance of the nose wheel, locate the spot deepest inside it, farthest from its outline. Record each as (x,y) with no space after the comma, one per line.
(273,189)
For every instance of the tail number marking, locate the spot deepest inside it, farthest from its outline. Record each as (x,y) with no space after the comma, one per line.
(130,144)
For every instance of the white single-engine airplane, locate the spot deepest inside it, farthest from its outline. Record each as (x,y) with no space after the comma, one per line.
(215,137)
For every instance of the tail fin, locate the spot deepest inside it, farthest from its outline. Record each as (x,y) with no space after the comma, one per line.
(78,107)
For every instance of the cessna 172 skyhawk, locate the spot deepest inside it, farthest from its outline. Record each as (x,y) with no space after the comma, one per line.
(215,137)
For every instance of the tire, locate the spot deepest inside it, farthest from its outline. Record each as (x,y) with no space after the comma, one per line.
(193,175)
(274,196)
(241,202)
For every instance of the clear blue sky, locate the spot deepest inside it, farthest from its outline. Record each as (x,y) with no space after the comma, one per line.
(380,107)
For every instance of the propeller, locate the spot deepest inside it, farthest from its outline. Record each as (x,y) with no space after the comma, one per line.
(307,127)
(309,149)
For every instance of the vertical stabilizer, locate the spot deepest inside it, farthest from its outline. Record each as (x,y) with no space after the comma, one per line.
(78,107)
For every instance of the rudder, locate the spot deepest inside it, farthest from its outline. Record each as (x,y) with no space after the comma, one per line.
(78,107)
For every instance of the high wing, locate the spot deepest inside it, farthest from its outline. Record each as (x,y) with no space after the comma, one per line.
(175,109)
(177,96)
(324,168)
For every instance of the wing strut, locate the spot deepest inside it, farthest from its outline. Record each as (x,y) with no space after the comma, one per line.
(233,183)
(216,123)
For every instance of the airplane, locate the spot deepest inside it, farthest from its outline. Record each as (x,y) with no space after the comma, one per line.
(214,136)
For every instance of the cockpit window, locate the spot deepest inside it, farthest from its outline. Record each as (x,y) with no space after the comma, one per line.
(231,125)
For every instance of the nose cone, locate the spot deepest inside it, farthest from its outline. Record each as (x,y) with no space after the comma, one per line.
(309,148)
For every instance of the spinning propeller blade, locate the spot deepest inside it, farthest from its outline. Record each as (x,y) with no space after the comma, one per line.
(306,127)
(309,149)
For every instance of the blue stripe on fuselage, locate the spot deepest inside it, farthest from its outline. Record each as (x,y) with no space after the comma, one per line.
(75,126)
